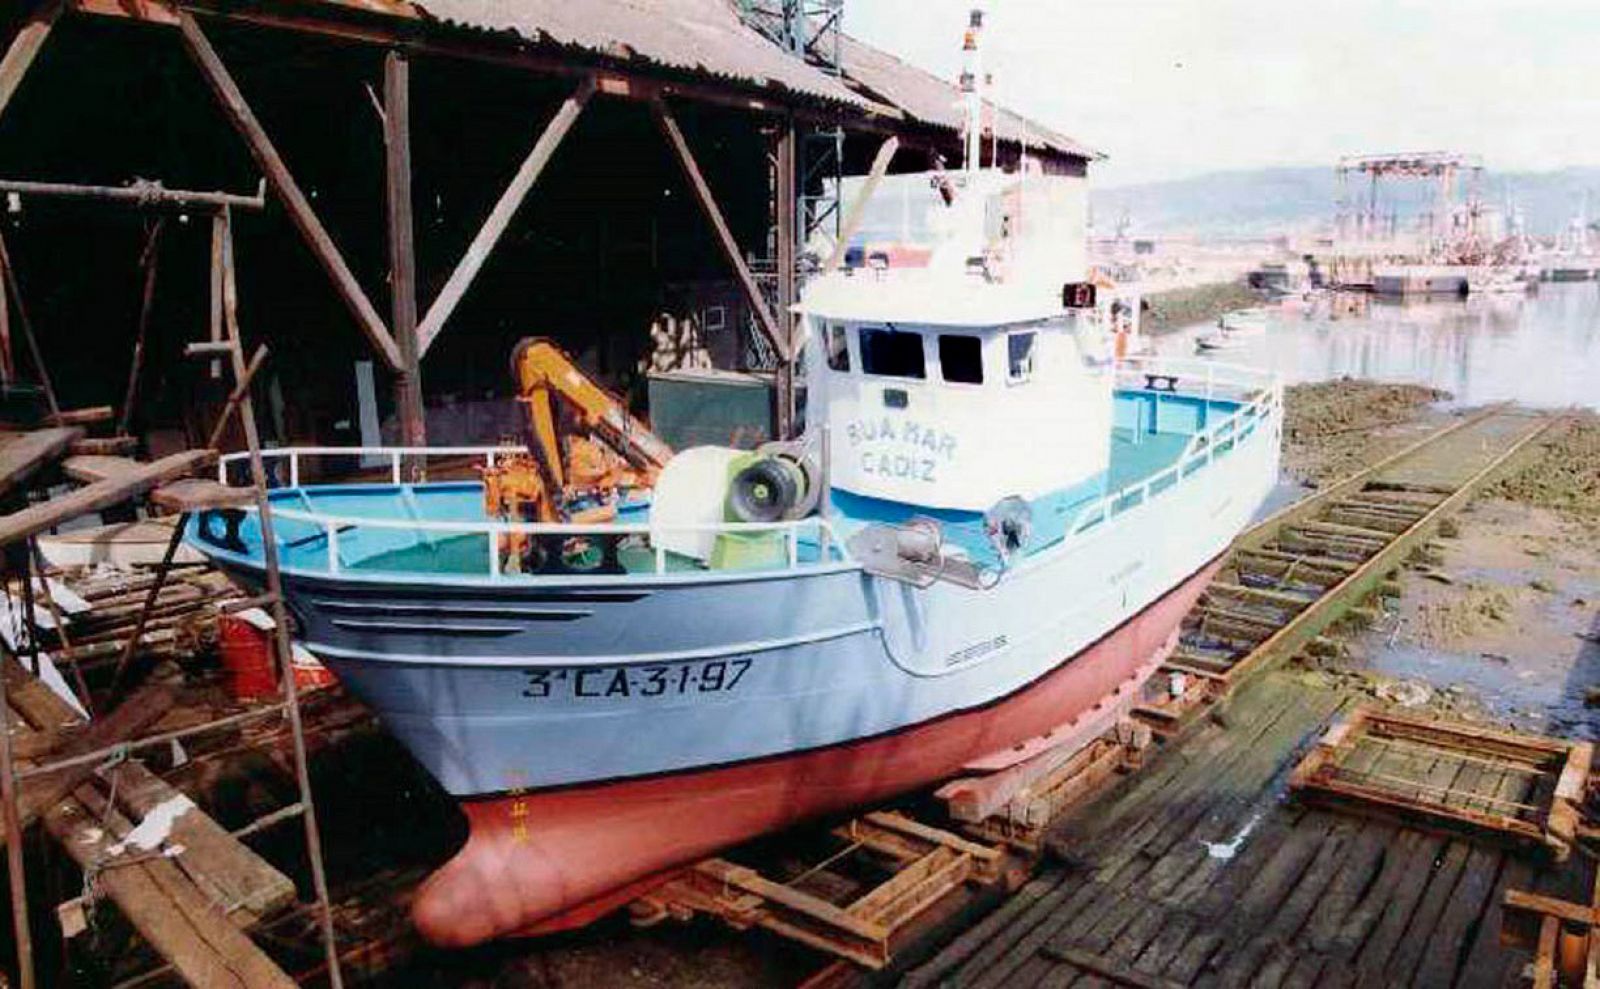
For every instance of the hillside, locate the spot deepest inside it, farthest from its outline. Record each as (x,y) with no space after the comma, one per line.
(1290,199)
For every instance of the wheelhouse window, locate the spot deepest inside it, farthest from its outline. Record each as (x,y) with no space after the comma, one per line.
(892,353)
(961,358)
(1019,356)
(838,343)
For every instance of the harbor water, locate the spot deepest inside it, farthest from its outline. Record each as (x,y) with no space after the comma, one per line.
(1542,349)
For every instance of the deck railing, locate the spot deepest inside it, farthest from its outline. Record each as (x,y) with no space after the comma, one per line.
(334,530)
(396,456)
(1259,395)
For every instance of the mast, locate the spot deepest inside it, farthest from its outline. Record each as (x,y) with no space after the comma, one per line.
(972,91)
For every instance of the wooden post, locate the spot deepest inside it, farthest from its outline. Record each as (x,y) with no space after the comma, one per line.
(219,230)
(500,217)
(858,206)
(8,367)
(280,613)
(24,48)
(402,248)
(150,260)
(713,215)
(787,204)
(8,274)
(15,868)
(287,190)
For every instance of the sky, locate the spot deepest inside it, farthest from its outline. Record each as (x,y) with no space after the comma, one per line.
(1170,88)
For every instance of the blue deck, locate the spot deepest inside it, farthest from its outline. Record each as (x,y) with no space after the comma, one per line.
(1151,430)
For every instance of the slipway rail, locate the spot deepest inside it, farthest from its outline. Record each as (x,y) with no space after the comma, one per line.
(1293,575)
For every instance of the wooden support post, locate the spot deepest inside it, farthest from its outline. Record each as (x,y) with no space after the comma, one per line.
(8,273)
(12,818)
(165,568)
(8,367)
(150,260)
(500,217)
(287,190)
(237,396)
(280,613)
(402,250)
(786,202)
(24,48)
(719,225)
(858,206)
(219,233)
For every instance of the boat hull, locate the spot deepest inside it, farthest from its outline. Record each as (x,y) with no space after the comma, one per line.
(534,859)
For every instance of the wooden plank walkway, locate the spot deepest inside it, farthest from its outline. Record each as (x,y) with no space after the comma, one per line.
(1199,871)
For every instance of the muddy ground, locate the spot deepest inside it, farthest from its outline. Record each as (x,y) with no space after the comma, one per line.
(1493,626)
(1500,619)
(1180,307)
(1334,428)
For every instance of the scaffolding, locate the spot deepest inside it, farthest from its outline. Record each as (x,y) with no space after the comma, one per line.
(66,750)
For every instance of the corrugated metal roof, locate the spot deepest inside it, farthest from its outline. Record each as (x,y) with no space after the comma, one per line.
(700,36)
(707,37)
(925,97)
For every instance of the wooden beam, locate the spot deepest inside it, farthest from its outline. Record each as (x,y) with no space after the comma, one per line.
(287,190)
(196,928)
(40,793)
(22,455)
(402,248)
(858,205)
(730,247)
(101,494)
(24,49)
(786,201)
(494,226)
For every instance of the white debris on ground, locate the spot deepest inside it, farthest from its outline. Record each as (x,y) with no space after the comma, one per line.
(156,827)
(1228,849)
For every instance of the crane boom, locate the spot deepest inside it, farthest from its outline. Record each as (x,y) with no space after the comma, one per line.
(584,448)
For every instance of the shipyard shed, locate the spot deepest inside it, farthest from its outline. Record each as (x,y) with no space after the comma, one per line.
(638,181)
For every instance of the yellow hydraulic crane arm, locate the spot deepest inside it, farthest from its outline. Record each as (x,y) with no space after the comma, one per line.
(543,372)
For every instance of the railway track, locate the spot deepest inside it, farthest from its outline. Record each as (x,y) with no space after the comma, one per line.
(1291,576)
(1284,582)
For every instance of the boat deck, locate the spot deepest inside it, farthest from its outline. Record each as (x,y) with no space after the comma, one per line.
(1200,871)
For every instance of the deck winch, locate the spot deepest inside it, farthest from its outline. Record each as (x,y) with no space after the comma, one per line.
(780,481)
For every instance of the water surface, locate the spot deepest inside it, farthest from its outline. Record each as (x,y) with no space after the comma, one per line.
(1541,350)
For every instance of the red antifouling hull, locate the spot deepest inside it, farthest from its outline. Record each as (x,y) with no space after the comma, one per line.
(540,861)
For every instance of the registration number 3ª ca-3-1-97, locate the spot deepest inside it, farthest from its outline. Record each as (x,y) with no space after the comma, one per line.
(714,676)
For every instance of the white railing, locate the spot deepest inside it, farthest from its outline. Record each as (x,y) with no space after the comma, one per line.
(396,455)
(332,527)
(1260,394)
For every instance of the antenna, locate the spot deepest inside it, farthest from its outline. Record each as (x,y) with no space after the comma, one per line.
(972,90)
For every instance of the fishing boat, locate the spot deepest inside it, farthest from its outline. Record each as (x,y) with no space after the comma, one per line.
(989,527)
(621,659)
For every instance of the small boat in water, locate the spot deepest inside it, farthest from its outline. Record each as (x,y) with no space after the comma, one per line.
(990,526)
(1233,330)
(1244,322)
